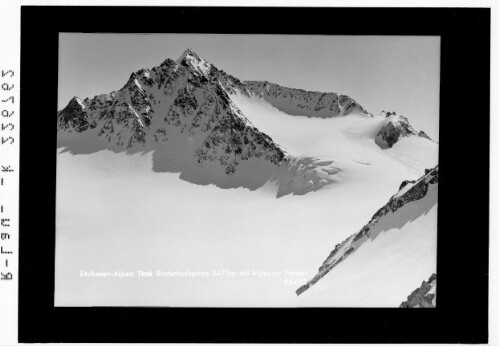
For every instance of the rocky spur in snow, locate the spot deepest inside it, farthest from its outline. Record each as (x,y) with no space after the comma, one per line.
(409,191)
(424,296)
(394,128)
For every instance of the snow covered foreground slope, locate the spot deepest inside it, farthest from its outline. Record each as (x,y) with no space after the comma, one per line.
(398,228)
(180,169)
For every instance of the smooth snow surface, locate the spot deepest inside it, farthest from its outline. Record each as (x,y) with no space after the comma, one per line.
(116,213)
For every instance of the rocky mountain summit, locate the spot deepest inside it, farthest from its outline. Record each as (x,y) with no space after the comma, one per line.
(394,128)
(424,296)
(409,191)
(186,97)
(220,157)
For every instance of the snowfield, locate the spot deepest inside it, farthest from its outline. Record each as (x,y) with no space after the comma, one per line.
(116,213)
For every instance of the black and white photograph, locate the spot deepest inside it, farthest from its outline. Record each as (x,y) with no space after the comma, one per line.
(247,170)
(248,174)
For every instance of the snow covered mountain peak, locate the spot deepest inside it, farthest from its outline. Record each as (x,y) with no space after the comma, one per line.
(193,60)
(195,107)
(424,296)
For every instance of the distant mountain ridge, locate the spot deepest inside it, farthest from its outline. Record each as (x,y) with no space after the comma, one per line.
(306,103)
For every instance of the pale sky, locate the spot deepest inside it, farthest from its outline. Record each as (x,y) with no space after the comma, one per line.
(400,73)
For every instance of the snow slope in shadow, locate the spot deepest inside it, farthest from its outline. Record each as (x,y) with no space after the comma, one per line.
(398,254)
(296,176)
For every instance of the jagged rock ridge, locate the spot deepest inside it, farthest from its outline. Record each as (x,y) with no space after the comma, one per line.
(409,191)
(308,103)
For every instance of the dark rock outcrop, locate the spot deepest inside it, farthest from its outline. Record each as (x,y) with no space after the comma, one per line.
(305,103)
(420,297)
(74,117)
(182,111)
(394,128)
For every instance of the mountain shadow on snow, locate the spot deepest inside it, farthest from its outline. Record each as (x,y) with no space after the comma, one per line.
(297,176)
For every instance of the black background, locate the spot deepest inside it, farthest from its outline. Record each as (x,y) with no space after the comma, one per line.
(461,312)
